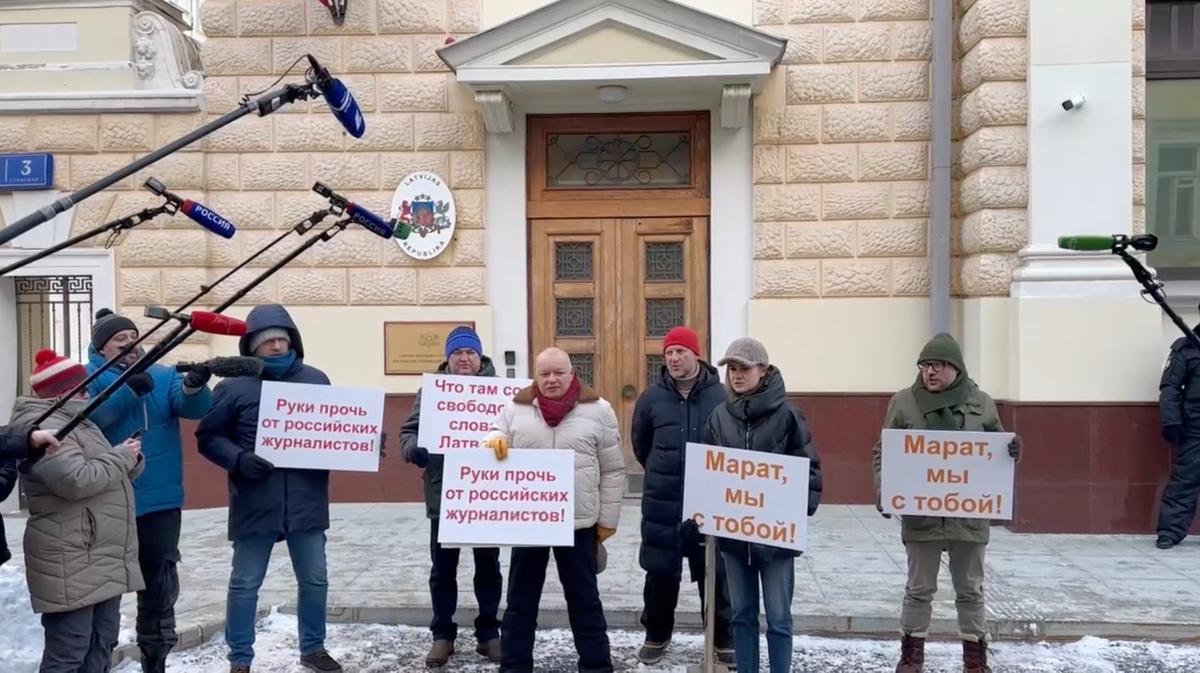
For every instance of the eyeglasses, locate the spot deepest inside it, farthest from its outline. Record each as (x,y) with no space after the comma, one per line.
(933,366)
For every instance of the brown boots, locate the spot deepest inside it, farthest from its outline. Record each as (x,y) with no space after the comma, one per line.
(975,657)
(912,655)
(439,654)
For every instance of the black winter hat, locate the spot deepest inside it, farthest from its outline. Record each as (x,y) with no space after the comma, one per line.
(107,325)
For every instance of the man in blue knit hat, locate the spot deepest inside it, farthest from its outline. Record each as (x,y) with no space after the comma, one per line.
(464,357)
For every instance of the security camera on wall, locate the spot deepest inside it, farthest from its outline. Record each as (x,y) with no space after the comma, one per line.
(1073,102)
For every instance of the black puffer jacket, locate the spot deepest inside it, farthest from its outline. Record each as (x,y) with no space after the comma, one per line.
(14,447)
(663,423)
(765,421)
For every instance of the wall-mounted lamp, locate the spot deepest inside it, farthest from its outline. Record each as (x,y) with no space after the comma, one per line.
(611,93)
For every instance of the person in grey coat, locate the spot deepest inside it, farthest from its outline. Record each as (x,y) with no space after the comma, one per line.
(464,357)
(81,545)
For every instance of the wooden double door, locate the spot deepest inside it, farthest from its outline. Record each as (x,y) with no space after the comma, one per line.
(605,284)
(608,290)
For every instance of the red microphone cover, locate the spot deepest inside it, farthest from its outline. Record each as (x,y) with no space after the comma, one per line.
(215,323)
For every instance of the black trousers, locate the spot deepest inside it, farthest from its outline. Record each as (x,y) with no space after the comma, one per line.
(158,556)
(577,572)
(1178,506)
(443,589)
(81,641)
(660,597)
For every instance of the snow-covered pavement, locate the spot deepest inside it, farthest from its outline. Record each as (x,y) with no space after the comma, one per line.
(372,648)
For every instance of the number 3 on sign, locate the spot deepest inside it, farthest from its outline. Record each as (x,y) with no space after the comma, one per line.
(26,166)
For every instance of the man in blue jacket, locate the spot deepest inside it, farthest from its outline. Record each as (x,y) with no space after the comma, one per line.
(151,403)
(269,505)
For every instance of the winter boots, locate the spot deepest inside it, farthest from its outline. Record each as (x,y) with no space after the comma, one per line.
(439,654)
(975,657)
(912,655)
(490,649)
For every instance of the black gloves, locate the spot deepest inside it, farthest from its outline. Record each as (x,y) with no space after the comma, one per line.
(253,467)
(140,383)
(418,456)
(1014,448)
(196,379)
(689,533)
(1173,434)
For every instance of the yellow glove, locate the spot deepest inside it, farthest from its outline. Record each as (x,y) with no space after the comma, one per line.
(499,445)
(603,533)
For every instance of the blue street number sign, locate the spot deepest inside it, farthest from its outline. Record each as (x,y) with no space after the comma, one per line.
(26,171)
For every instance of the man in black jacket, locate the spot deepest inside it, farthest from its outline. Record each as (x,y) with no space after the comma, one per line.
(1179,408)
(16,442)
(667,416)
(464,357)
(266,504)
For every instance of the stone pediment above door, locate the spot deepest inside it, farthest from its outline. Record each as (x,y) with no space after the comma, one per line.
(614,55)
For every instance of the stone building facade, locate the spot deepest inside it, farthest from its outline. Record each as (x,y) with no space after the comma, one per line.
(809,225)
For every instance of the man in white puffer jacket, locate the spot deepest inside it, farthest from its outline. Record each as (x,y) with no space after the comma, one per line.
(559,412)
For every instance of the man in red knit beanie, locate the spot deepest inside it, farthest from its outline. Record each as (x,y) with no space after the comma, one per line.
(669,414)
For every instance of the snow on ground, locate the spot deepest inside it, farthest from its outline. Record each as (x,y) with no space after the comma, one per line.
(374,648)
(20,629)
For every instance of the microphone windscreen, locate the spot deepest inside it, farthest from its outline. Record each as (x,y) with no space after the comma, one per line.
(1088,243)
(215,323)
(344,107)
(208,219)
(234,366)
(370,221)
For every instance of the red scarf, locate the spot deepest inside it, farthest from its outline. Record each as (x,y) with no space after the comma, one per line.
(554,411)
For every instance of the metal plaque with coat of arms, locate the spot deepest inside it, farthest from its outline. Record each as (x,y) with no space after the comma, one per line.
(423,202)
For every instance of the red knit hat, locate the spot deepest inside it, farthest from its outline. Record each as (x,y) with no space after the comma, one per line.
(55,374)
(682,336)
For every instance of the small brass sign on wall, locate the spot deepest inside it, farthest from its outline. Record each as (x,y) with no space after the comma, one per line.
(416,347)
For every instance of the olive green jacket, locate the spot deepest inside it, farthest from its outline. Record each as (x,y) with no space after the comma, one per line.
(978,414)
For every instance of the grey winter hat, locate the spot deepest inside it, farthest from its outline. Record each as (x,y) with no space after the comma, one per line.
(746,351)
(107,325)
(263,336)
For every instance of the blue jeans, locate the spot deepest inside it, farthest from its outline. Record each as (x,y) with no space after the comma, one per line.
(778,581)
(250,558)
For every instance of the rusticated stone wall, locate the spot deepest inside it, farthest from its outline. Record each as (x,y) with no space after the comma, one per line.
(842,156)
(991,222)
(258,172)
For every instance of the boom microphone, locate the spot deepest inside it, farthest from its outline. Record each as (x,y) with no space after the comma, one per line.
(369,221)
(225,367)
(1107,243)
(359,215)
(199,213)
(341,103)
(208,219)
(201,321)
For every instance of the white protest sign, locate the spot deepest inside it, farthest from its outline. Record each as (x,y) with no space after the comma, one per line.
(941,473)
(457,411)
(747,495)
(315,427)
(528,499)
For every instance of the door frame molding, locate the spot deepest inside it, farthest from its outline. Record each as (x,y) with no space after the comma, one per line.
(731,230)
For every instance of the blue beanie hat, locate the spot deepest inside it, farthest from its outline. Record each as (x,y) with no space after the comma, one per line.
(463,337)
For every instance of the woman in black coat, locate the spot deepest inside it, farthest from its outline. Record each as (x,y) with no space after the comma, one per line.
(758,417)
(17,442)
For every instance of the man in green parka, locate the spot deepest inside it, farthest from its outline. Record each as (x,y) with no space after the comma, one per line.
(943,398)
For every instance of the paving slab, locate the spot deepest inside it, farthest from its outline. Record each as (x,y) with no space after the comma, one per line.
(850,582)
